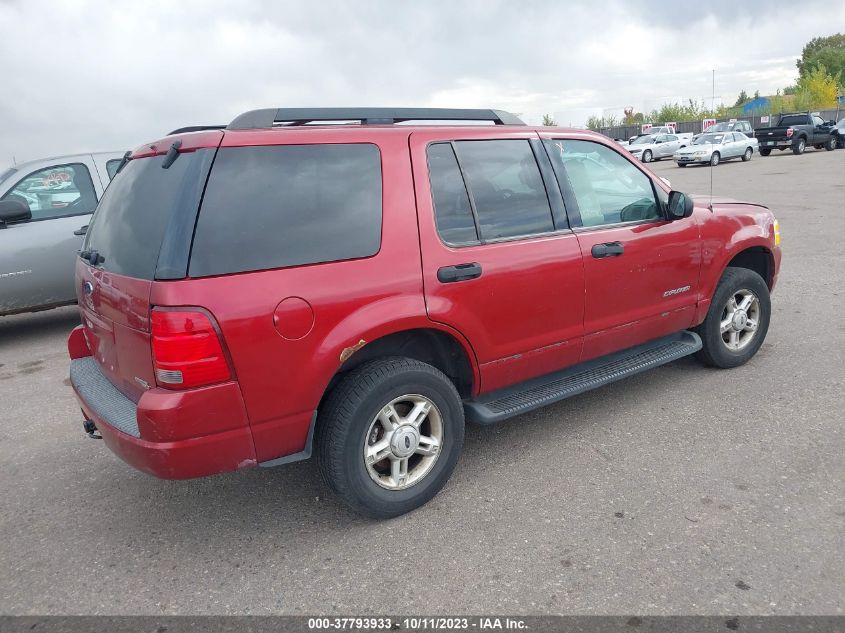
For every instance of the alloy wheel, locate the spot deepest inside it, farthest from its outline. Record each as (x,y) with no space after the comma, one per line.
(403,442)
(740,320)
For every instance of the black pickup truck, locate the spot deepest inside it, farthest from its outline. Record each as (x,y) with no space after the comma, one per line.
(796,131)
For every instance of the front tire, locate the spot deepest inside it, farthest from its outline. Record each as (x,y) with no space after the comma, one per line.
(714,159)
(831,144)
(737,321)
(800,147)
(389,436)
(746,156)
(647,156)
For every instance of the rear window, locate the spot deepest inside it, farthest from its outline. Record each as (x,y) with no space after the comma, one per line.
(288,205)
(133,216)
(794,119)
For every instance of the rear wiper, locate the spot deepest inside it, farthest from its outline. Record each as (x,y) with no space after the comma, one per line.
(122,164)
(172,154)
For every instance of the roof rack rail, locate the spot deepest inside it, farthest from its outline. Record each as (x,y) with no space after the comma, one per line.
(268,117)
(197,128)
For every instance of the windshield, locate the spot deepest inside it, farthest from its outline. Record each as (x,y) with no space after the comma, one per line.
(7,173)
(709,139)
(719,127)
(643,140)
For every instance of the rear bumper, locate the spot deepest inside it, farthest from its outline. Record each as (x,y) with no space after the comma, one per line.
(777,144)
(151,435)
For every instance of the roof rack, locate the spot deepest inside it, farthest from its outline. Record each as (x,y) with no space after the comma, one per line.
(197,128)
(270,117)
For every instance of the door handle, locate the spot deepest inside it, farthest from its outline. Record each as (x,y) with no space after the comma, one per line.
(82,230)
(608,249)
(459,272)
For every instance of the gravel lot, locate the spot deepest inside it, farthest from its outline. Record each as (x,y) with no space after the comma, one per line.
(683,490)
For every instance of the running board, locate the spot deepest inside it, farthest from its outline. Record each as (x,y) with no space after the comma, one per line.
(538,392)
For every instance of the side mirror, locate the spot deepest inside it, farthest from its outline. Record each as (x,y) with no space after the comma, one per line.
(680,205)
(12,211)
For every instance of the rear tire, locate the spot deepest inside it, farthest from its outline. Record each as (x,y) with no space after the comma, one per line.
(746,156)
(714,159)
(765,152)
(682,164)
(799,147)
(354,423)
(732,332)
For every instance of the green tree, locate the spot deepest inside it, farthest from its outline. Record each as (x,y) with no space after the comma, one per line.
(548,120)
(742,98)
(824,51)
(817,89)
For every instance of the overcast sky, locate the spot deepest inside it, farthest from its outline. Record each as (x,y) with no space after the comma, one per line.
(87,76)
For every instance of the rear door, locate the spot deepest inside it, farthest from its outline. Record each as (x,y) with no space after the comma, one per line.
(500,264)
(641,271)
(138,233)
(37,256)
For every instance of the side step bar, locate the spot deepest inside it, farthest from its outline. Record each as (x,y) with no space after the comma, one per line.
(499,405)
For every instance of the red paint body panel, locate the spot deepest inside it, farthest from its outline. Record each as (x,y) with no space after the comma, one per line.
(164,416)
(524,314)
(541,304)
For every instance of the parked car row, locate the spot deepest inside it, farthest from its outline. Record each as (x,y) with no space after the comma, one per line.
(737,139)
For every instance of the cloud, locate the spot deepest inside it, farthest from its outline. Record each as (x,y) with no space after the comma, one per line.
(100,76)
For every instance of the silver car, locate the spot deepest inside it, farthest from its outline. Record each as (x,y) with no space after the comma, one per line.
(715,147)
(45,206)
(656,146)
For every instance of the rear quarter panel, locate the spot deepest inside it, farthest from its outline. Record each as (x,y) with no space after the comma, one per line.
(283,380)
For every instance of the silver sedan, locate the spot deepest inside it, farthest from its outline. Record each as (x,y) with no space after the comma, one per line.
(715,147)
(655,146)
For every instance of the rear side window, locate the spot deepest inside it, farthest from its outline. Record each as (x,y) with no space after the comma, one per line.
(452,210)
(506,187)
(288,205)
(132,219)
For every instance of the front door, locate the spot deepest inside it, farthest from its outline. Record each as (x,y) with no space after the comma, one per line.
(37,257)
(641,271)
(500,264)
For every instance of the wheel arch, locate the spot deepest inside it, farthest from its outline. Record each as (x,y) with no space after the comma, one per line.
(755,255)
(435,346)
(756,258)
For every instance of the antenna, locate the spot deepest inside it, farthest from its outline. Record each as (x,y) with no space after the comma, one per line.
(713,108)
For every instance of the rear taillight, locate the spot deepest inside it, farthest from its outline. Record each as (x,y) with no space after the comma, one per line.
(789,132)
(187,351)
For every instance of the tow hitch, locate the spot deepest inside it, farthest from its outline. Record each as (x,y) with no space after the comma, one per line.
(91,430)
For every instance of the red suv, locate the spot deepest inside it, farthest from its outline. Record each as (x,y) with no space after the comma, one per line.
(297,282)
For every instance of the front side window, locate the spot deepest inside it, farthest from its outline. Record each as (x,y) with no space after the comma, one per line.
(607,188)
(288,205)
(57,191)
(506,186)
